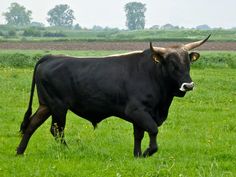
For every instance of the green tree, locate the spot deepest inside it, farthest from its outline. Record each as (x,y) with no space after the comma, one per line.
(61,15)
(17,15)
(135,17)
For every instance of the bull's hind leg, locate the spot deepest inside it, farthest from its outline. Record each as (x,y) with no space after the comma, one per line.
(58,124)
(35,121)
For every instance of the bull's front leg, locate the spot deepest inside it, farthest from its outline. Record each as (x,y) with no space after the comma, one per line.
(138,136)
(144,121)
(152,145)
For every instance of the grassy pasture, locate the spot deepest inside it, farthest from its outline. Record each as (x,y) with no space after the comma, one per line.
(198,138)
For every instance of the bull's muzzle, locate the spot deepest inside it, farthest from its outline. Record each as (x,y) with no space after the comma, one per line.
(186,87)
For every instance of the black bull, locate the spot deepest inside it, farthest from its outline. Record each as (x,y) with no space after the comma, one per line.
(137,87)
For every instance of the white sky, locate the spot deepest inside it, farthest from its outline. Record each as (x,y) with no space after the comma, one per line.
(187,13)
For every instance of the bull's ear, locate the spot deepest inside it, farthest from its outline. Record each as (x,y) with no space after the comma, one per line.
(194,56)
(156,58)
(156,54)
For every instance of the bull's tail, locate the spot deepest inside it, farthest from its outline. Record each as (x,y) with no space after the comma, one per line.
(28,113)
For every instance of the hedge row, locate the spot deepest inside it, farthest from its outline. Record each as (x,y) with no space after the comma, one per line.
(18,60)
(216,60)
(207,60)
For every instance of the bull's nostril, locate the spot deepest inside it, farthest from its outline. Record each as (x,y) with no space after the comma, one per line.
(188,86)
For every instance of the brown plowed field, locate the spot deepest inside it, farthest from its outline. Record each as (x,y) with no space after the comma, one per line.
(129,46)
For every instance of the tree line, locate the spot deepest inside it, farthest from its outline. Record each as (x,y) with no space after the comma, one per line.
(63,16)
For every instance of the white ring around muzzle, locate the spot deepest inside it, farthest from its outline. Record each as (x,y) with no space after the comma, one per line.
(186,87)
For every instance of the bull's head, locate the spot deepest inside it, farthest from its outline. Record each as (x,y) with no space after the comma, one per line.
(175,64)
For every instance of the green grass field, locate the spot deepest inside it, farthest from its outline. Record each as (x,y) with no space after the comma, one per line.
(198,138)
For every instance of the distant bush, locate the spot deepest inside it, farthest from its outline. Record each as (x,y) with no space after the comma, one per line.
(216,60)
(53,34)
(32,32)
(18,60)
(123,36)
(97,28)
(77,27)
(37,24)
(155,27)
(12,33)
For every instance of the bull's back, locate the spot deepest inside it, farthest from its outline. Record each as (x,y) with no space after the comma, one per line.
(86,86)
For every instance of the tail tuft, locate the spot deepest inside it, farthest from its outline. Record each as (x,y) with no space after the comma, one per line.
(94,125)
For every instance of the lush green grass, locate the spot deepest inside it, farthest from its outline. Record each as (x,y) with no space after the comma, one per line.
(198,138)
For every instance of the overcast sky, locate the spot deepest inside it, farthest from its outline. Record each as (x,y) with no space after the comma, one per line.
(187,13)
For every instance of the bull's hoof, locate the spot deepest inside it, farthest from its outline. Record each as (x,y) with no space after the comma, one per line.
(19,155)
(138,155)
(150,151)
(19,151)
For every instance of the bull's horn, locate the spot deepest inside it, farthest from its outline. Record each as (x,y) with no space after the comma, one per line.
(193,45)
(160,50)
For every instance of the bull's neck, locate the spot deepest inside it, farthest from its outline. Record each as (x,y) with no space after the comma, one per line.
(156,73)
(161,80)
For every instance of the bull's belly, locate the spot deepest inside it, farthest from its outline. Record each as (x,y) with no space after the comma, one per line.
(92,115)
